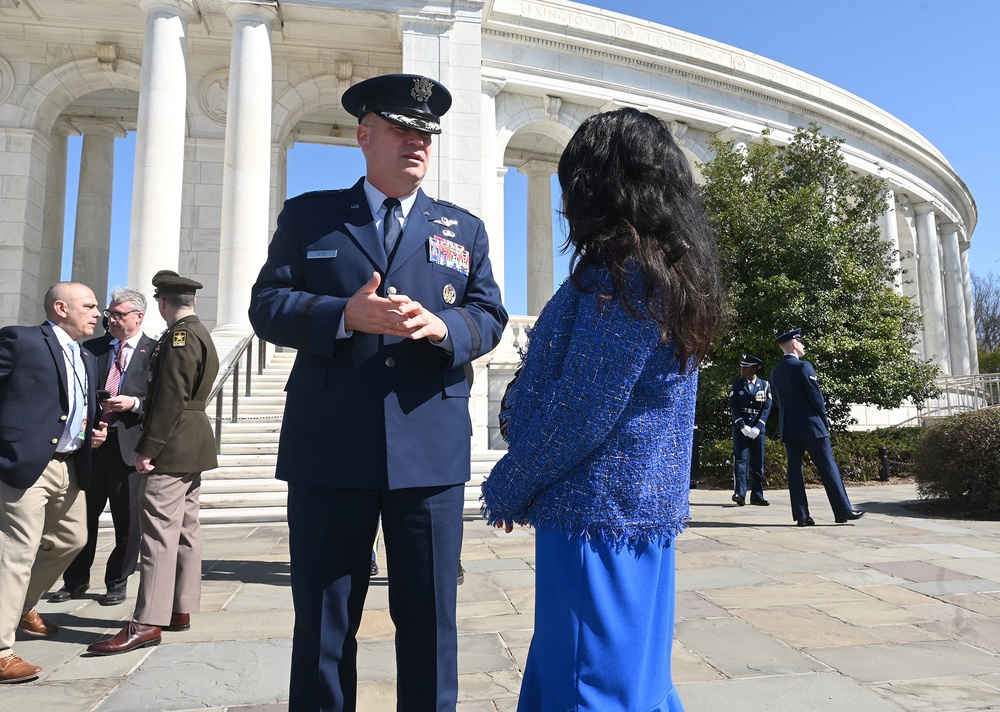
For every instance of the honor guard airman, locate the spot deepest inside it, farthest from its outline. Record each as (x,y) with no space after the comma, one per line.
(750,404)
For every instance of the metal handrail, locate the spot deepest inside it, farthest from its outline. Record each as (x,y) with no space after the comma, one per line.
(245,346)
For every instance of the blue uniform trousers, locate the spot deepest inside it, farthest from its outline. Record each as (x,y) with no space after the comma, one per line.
(747,451)
(604,624)
(821,454)
(330,545)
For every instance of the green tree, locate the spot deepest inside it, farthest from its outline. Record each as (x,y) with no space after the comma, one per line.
(800,245)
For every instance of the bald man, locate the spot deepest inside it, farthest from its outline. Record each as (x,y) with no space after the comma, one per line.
(48,407)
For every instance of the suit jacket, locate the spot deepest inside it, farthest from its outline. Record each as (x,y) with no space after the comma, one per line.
(175,428)
(371,411)
(750,403)
(801,407)
(34,404)
(133,383)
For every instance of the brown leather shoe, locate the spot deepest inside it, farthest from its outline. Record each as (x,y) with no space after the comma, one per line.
(33,624)
(179,622)
(132,636)
(13,669)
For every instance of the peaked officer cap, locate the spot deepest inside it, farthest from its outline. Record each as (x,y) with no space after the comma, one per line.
(749,360)
(788,336)
(169,282)
(408,100)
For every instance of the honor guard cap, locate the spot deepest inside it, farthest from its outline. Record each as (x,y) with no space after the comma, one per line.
(408,100)
(169,282)
(788,336)
(750,361)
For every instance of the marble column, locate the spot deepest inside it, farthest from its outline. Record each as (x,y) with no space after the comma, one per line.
(159,147)
(931,293)
(958,339)
(246,179)
(970,312)
(540,259)
(54,215)
(492,189)
(92,234)
(890,233)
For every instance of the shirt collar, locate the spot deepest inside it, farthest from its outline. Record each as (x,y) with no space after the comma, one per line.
(376,197)
(63,337)
(132,341)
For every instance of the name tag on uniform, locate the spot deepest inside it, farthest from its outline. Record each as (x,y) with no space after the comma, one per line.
(450,254)
(320,254)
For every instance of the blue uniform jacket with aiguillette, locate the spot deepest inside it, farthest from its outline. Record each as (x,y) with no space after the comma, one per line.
(750,402)
(372,411)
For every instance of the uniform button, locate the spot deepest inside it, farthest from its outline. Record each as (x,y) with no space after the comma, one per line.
(390,362)
(54,441)
(62,418)
(391,290)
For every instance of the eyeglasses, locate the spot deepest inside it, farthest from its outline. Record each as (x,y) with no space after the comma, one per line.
(118,316)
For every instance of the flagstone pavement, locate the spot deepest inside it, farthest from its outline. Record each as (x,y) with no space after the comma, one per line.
(897,611)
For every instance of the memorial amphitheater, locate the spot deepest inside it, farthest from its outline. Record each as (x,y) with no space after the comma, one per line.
(217,91)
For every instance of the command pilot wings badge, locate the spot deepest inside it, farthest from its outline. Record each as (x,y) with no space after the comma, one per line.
(447,222)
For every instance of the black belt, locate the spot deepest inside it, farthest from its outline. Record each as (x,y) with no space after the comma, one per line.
(62,456)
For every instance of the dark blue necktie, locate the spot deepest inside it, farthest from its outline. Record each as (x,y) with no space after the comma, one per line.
(390,226)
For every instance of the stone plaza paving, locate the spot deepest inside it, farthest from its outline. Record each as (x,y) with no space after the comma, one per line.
(897,611)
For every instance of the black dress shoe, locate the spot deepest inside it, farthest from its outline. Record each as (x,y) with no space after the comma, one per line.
(113,597)
(461,574)
(855,514)
(374,571)
(759,502)
(807,522)
(66,593)
(740,501)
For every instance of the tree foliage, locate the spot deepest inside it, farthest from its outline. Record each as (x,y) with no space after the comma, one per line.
(800,245)
(986,303)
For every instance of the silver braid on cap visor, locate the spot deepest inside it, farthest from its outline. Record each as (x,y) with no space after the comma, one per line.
(419,124)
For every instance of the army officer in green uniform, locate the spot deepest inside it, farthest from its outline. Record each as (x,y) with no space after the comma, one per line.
(176,445)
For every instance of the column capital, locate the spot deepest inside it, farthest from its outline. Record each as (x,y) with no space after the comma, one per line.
(925,207)
(536,167)
(264,10)
(183,8)
(493,85)
(96,126)
(426,23)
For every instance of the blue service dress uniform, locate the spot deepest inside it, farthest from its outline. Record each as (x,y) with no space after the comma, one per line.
(375,425)
(750,404)
(805,428)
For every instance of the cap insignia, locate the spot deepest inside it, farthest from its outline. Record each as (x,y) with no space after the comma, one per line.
(422,89)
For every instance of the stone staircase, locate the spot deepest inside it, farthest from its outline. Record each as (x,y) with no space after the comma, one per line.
(243,489)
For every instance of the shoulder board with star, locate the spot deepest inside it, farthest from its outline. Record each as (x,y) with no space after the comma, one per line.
(445,203)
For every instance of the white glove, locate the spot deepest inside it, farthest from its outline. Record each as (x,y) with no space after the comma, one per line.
(754,433)
(746,430)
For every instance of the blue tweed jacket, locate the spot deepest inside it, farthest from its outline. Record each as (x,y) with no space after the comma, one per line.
(600,427)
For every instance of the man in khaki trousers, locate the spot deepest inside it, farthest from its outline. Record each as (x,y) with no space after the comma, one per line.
(176,445)
(48,405)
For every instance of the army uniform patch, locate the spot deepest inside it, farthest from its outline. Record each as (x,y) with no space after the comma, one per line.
(180,339)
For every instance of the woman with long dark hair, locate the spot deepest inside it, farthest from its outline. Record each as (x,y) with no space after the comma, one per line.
(600,420)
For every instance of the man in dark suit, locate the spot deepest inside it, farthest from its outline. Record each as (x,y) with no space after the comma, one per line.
(122,362)
(176,445)
(386,294)
(48,406)
(750,404)
(805,428)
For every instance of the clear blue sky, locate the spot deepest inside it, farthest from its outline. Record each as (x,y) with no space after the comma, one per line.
(930,63)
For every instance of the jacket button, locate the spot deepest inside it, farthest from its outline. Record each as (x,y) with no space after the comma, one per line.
(390,362)
(62,418)
(54,441)
(391,290)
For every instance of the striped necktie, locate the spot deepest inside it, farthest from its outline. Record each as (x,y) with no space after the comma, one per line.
(114,382)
